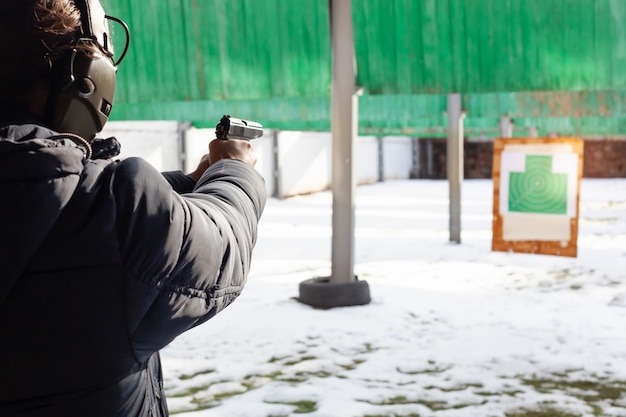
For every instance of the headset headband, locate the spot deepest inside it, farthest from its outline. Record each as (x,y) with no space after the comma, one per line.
(94,24)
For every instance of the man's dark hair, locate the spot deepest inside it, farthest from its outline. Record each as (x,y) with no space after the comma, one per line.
(33,34)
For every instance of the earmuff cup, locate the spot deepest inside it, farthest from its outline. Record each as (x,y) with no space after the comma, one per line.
(82,93)
(83,83)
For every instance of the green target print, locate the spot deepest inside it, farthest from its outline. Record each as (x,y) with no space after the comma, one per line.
(538,189)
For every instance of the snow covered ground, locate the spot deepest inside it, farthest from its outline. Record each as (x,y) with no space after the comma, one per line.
(452,329)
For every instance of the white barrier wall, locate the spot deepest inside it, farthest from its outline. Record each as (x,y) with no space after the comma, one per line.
(304,162)
(397,158)
(292,163)
(367,157)
(156,142)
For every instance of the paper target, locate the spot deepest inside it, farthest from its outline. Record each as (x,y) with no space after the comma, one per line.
(538,189)
(536,186)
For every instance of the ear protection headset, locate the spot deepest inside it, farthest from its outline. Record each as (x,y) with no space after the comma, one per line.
(83,83)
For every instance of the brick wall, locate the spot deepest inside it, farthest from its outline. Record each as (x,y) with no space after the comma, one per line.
(603,158)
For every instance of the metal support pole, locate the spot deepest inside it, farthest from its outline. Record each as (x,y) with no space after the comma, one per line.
(506,127)
(429,159)
(455,163)
(381,159)
(276,161)
(344,130)
(342,287)
(415,150)
(182,128)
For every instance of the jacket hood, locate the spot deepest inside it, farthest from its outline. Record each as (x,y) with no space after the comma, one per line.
(38,175)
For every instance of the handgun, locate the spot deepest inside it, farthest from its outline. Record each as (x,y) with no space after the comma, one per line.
(233,128)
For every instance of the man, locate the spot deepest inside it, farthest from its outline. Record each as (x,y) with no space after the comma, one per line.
(102,262)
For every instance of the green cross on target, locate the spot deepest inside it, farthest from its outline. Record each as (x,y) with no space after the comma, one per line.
(538,189)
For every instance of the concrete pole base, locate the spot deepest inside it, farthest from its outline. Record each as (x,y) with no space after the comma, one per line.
(322,293)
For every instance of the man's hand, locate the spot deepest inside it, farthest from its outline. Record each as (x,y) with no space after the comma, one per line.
(225,149)
(232,149)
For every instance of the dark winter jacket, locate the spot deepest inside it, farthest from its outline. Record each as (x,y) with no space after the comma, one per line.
(103,263)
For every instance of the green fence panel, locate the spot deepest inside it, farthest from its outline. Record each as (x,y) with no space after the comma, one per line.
(443,46)
(199,50)
(270,60)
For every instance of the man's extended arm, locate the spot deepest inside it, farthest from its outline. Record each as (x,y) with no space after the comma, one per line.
(185,257)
